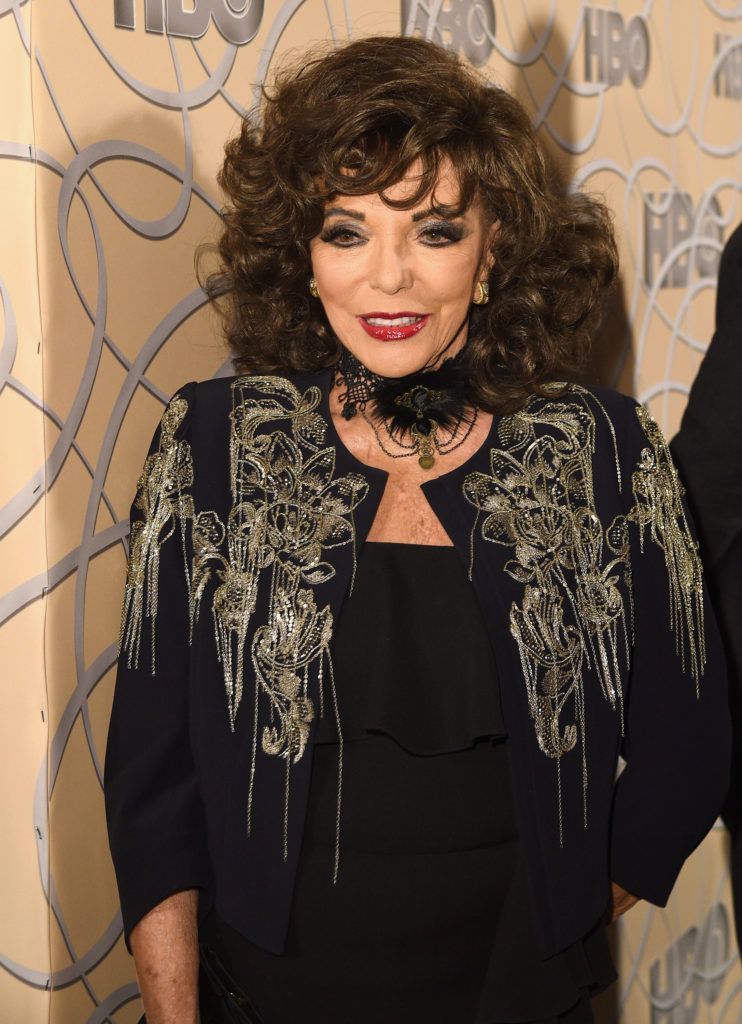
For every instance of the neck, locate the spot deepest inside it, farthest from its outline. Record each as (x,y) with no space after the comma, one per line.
(415,412)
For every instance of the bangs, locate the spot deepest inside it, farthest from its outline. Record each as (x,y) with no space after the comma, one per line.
(376,162)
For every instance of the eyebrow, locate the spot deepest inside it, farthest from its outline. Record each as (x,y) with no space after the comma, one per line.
(440,211)
(341,211)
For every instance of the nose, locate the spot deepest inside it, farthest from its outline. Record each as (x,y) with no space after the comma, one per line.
(389,271)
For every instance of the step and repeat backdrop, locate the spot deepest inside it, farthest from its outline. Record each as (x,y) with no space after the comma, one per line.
(113,117)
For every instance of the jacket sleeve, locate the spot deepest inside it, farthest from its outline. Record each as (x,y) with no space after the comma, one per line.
(676,720)
(156,821)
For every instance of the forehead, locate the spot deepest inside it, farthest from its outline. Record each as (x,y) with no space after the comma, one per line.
(446,192)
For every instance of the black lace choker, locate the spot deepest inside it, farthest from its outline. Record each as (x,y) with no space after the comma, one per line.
(415,406)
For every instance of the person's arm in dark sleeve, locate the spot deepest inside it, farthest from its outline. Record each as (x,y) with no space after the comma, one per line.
(708,447)
(155,815)
(676,719)
(708,453)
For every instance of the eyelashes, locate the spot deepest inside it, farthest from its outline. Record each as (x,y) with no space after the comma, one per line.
(334,235)
(443,229)
(436,235)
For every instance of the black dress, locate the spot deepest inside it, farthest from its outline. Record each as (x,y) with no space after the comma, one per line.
(430,918)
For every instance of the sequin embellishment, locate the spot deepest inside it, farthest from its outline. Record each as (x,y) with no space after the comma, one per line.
(162,497)
(658,510)
(538,500)
(287,509)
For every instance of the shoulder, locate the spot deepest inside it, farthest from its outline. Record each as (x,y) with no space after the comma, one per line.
(213,399)
(731,259)
(598,408)
(634,429)
(730,275)
(610,429)
(217,393)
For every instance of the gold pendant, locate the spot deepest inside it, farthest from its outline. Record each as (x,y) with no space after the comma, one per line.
(425,449)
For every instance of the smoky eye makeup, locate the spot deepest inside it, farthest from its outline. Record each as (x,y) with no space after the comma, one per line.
(343,235)
(437,233)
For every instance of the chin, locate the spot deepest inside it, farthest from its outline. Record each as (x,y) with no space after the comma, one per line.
(393,358)
(396,364)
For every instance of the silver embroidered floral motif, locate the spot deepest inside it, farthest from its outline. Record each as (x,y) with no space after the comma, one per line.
(658,510)
(163,499)
(287,509)
(538,500)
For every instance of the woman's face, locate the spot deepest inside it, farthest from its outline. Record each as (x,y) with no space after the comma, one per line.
(397,285)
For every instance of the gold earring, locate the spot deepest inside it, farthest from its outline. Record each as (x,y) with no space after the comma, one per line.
(313,290)
(481,294)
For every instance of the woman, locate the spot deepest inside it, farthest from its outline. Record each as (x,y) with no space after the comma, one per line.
(396,600)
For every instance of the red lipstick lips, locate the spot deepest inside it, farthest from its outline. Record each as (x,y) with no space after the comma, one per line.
(393,326)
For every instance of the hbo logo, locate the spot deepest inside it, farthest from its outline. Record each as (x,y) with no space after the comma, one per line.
(614,49)
(680,221)
(694,968)
(728,78)
(467,26)
(237,21)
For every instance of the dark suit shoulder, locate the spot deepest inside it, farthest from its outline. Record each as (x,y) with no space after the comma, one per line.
(728,288)
(732,255)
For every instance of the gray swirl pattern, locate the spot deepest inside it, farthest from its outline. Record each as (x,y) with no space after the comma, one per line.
(666,152)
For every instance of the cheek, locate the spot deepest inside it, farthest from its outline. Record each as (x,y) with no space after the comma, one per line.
(339,284)
(449,280)
(336,271)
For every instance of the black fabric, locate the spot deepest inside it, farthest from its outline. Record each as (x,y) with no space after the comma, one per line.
(405,933)
(707,448)
(220,999)
(429,919)
(654,749)
(148,740)
(413,660)
(708,452)
(675,739)
(521,987)
(177,776)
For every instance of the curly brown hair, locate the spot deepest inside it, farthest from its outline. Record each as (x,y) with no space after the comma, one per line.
(352,121)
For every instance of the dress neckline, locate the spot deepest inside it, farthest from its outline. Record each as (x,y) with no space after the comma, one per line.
(405,544)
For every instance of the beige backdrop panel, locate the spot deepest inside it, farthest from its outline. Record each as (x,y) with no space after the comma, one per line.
(112,121)
(24,914)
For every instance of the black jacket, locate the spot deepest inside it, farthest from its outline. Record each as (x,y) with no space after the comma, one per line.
(708,452)
(245,528)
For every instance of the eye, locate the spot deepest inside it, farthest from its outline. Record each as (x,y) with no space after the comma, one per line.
(343,237)
(441,233)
